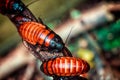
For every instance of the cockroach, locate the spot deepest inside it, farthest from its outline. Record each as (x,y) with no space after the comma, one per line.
(31,29)
(16,11)
(38,37)
(65,66)
(38,34)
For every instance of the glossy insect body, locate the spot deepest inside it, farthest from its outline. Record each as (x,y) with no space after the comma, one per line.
(19,14)
(65,66)
(16,11)
(38,34)
(11,6)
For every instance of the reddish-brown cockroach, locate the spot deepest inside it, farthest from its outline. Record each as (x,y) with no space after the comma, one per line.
(65,66)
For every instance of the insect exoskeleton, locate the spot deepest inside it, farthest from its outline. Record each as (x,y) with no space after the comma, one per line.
(36,33)
(65,66)
(11,6)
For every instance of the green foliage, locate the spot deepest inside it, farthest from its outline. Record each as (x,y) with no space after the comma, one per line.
(108,37)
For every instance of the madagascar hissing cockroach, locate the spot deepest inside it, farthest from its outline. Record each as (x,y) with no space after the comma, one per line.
(38,34)
(20,15)
(65,66)
(16,11)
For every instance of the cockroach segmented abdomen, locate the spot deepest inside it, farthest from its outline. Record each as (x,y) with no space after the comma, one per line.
(30,31)
(65,66)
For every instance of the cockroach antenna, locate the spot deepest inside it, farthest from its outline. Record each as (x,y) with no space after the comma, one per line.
(66,41)
(31,2)
(65,50)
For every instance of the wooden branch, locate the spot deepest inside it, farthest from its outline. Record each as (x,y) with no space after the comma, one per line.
(15,59)
(87,20)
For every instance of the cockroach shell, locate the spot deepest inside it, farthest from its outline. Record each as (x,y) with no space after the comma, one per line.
(65,66)
(30,31)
